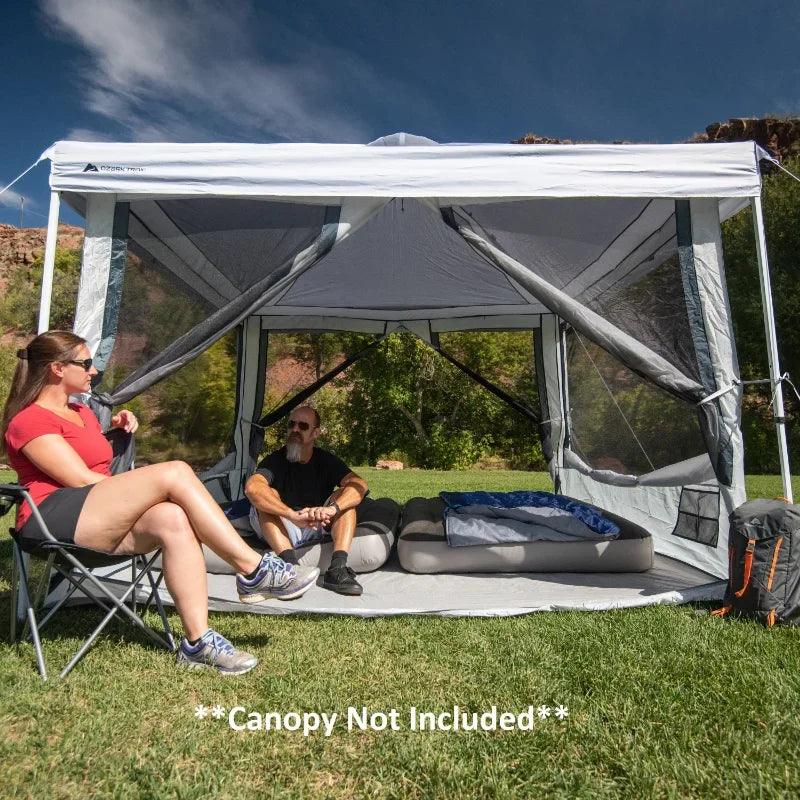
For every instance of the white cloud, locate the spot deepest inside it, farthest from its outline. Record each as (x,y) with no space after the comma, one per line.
(194,70)
(87,135)
(12,199)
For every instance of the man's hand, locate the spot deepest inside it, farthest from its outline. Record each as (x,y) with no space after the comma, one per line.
(300,518)
(323,514)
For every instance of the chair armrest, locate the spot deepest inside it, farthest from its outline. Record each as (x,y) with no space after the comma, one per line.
(10,495)
(20,494)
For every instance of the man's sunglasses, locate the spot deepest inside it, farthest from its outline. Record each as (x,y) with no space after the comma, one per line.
(304,426)
(86,363)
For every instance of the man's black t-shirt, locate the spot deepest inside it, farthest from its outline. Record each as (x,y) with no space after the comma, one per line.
(303,485)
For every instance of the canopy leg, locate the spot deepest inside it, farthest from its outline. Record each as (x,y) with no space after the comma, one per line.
(49,263)
(772,345)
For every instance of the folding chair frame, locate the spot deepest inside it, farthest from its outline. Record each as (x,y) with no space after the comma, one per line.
(61,557)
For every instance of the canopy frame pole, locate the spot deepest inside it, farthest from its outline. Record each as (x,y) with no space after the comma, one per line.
(772,344)
(44,309)
(49,263)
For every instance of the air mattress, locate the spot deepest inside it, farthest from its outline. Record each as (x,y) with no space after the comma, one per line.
(422,548)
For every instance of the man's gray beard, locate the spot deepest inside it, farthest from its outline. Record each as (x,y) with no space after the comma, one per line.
(293,451)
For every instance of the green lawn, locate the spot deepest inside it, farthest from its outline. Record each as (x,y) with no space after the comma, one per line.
(662,702)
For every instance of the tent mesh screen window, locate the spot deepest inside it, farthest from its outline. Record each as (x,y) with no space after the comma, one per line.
(189,415)
(621,423)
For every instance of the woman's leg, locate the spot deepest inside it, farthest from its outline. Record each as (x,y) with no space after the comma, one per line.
(166,526)
(115,505)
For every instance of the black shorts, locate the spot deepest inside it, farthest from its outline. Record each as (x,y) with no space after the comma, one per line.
(60,512)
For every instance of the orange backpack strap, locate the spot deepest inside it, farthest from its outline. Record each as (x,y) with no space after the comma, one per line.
(774,562)
(721,612)
(748,566)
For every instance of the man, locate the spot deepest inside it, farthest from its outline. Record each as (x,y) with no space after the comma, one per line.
(295,499)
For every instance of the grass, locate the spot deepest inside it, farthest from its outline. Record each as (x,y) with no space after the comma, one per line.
(663,702)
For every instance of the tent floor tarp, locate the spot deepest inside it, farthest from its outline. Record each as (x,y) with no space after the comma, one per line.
(392,591)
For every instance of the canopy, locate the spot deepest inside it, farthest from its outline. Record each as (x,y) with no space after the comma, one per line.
(451,172)
(612,253)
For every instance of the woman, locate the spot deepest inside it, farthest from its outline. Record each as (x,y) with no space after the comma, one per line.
(62,458)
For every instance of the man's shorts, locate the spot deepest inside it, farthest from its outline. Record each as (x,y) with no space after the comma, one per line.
(299,537)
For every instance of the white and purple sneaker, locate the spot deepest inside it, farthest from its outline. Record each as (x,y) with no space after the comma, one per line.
(275,578)
(214,651)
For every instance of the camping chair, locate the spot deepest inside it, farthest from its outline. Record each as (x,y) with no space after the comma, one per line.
(74,564)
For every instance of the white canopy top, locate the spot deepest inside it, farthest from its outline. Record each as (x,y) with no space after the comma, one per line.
(452,172)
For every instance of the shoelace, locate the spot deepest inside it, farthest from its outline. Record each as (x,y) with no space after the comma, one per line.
(278,568)
(218,642)
(347,570)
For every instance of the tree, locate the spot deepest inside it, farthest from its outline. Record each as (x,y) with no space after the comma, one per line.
(781,202)
(195,407)
(404,400)
(19,308)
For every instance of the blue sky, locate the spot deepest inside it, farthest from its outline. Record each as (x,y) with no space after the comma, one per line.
(354,70)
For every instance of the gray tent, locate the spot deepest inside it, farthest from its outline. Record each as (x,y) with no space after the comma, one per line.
(611,254)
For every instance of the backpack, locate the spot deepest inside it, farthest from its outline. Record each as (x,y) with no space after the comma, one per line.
(764,562)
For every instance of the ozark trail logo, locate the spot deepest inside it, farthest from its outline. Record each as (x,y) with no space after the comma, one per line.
(111,168)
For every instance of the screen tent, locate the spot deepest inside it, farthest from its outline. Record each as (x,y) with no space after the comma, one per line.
(610,253)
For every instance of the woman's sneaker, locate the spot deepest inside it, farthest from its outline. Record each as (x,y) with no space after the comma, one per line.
(214,651)
(275,578)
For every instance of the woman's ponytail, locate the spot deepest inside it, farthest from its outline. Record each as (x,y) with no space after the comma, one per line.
(33,365)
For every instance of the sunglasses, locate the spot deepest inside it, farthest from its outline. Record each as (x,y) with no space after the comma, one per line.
(86,363)
(304,426)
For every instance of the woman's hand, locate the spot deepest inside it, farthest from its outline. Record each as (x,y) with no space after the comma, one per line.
(125,420)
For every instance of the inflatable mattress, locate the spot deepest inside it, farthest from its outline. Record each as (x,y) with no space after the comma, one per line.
(422,548)
(376,529)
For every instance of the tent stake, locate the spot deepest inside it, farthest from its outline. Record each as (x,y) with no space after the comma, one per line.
(772,344)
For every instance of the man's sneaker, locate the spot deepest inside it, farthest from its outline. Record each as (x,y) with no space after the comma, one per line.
(214,651)
(275,578)
(342,580)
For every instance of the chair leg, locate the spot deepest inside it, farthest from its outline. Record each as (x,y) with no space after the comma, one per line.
(29,610)
(44,583)
(37,645)
(41,590)
(119,604)
(19,609)
(134,567)
(12,628)
(75,584)
(88,643)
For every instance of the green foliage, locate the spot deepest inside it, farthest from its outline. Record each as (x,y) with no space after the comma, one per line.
(781,202)
(8,363)
(638,429)
(404,400)
(193,414)
(455,449)
(19,307)
(152,315)
(318,350)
